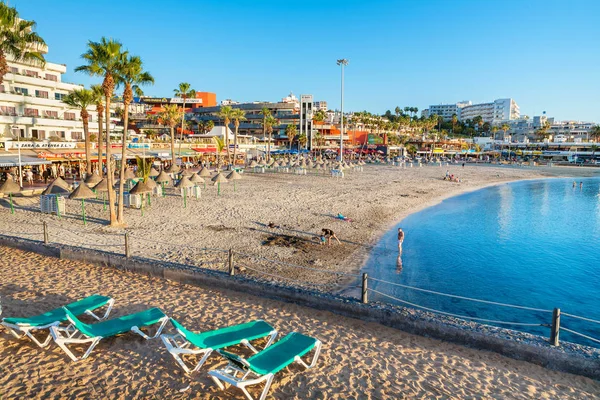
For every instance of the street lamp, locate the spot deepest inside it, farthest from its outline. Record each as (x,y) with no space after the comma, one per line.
(342,62)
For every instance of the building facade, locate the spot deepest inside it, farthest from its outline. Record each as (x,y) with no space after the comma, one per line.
(31,104)
(320,105)
(498,110)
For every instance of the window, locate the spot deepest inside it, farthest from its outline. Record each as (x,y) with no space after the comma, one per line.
(51,77)
(51,114)
(31,112)
(1,88)
(5,110)
(29,72)
(41,93)
(59,96)
(38,134)
(22,91)
(59,134)
(14,70)
(76,135)
(70,116)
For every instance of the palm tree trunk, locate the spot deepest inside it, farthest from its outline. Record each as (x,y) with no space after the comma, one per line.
(100,130)
(227,141)
(235,135)
(88,160)
(109,172)
(265,134)
(120,212)
(172,145)
(182,123)
(3,66)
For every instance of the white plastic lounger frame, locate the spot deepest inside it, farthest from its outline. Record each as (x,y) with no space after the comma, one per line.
(20,330)
(70,335)
(178,345)
(229,374)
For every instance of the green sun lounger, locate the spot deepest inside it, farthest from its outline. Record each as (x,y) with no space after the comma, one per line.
(263,366)
(206,342)
(93,333)
(19,327)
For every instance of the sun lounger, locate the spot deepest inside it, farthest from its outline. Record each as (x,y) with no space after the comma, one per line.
(92,333)
(263,366)
(206,342)
(27,326)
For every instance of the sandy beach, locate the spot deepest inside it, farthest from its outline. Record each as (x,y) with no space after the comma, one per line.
(359,359)
(299,207)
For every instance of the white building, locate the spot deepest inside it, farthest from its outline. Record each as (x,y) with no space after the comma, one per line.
(31,106)
(320,105)
(446,111)
(498,110)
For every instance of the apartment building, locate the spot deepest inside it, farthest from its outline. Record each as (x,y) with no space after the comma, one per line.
(446,111)
(498,110)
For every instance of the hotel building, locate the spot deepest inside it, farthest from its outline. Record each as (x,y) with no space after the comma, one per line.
(498,110)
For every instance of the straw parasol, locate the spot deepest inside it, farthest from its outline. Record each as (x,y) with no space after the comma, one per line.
(173,169)
(163,179)
(204,173)
(184,184)
(153,172)
(253,164)
(9,187)
(92,180)
(129,175)
(233,176)
(141,188)
(187,173)
(102,187)
(218,179)
(82,192)
(60,183)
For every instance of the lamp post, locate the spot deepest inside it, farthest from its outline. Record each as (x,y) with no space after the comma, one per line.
(19,151)
(342,62)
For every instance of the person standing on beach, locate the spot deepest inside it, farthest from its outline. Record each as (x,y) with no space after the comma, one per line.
(400,240)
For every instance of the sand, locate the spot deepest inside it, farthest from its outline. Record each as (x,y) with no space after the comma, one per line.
(300,206)
(359,360)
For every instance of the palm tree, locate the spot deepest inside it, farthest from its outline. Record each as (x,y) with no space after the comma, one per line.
(132,76)
(170,116)
(302,140)
(505,128)
(595,132)
(290,132)
(82,99)
(184,91)
(17,39)
(104,59)
(219,144)
(398,112)
(266,113)
(454,122)
(98,94)
(225,114)
(495,130)
(237,115)
(270,122)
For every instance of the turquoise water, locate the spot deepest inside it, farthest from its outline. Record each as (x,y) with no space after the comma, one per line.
(531,243)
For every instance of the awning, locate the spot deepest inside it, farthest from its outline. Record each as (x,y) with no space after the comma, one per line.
(13,161)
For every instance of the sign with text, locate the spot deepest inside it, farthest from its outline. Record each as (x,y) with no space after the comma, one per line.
(40,145)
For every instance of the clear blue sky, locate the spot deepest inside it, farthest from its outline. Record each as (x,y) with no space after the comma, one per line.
(544,54)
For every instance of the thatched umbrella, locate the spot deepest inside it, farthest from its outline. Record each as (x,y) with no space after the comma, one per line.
(253,164)
(57,187)
(184,184)
(317,167)
(81,193)
(233,176)
(187,173)
(204,173)
(173,169)
(102,187)
(141,188)
(9,187)
(195,179)
(218,179)
(151,184)
(153,173)
(92,180)
(163,179)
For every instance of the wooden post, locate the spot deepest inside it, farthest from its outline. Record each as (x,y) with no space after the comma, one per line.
(555,327)
(126,244)
(364,298)
(45,232)
(230,262)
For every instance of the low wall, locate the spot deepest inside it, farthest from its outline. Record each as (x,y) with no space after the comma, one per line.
(567,357)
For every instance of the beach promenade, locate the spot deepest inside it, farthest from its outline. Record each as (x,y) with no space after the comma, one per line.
(298,206)
(359,359)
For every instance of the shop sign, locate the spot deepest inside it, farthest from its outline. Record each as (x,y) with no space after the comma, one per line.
(40,145)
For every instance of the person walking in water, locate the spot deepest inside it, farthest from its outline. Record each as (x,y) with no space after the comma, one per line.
(400,240)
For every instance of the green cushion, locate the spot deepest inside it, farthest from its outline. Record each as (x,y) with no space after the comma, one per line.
(118,325)
(58,315)
(281,354)
(228,336)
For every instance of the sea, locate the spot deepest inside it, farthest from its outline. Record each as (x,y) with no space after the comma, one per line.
(530,243)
